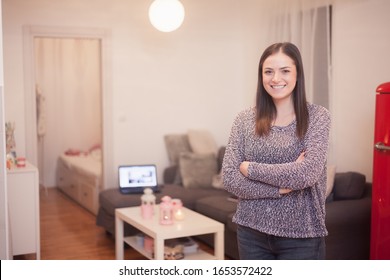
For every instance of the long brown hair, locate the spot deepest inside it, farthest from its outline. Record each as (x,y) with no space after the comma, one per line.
(265,107)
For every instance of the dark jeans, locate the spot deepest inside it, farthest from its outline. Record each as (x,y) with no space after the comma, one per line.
(255,245)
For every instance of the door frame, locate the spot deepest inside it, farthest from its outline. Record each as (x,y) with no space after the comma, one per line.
(29,33)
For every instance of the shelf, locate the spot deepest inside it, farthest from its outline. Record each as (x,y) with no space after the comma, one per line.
(199,255)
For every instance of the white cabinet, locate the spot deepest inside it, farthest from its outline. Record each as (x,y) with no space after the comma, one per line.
(23,205)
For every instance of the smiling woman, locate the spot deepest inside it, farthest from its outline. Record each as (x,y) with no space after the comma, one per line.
(279,80)
(275,163)
(281,95)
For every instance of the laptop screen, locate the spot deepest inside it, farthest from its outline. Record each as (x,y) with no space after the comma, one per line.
(135,178)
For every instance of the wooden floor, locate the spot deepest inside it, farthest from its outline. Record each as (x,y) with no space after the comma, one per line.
(69,232)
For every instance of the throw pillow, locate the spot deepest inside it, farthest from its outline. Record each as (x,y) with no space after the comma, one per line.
(331,172)
(176,144)
(217,181)
(202,142)
(349,185)
(220,156)
(197,170)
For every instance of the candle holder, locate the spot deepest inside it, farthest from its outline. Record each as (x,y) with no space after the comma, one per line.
(148,201)
(177,206)
(166,211)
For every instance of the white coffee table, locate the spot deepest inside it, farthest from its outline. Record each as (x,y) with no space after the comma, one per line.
(193,224)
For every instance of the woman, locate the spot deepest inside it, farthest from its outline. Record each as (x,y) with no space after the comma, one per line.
(275,163)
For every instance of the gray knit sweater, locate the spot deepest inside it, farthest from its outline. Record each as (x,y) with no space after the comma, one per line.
(298,214)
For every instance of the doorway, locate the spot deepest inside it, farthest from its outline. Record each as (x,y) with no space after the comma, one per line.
(68,98)
(98,37)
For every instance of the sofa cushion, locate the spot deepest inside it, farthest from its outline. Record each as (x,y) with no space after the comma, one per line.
(221,154)
(216,207)
(202,142)
(217,181)
(348,185)
(111,199)
(197,170)
(175,145)
(330,174)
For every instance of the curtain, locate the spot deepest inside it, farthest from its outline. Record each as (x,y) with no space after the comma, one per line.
(306,23)
(68,99)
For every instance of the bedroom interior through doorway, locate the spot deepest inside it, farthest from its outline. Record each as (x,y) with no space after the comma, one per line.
(104,35)
(67,79)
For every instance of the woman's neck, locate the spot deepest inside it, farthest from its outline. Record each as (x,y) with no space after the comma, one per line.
(285,112)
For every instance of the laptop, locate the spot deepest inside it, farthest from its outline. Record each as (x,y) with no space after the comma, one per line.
(135,178)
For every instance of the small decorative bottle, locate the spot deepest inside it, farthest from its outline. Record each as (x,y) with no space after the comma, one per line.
(148,200)
(166,211)
(177,206)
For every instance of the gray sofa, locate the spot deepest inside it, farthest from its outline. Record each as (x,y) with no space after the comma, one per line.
(348,212)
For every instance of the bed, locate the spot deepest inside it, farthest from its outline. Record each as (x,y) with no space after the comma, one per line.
(79,175)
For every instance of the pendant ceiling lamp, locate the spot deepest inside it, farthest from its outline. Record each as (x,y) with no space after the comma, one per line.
(166,15)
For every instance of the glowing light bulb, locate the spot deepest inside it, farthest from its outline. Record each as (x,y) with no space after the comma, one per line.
(166,15)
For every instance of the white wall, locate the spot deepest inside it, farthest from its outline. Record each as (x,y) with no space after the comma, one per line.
(361,44)
(161,83)
(202,74)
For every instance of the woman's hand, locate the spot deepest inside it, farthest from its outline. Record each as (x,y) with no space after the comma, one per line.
(284,191)
(244,168)
(301,157)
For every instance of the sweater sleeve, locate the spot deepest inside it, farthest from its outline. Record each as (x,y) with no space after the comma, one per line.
(234,182)
(295,175)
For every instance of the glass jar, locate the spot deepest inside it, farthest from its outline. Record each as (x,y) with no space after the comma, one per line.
(148,201)
(166,211)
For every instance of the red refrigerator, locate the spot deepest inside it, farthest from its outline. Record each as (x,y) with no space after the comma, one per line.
(380,213)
